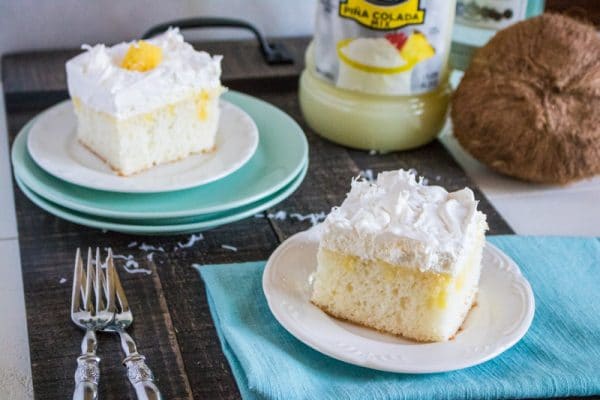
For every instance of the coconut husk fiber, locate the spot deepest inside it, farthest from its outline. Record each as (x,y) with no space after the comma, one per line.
(529,104)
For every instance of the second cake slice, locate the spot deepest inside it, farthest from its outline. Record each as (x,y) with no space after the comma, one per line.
(401,257)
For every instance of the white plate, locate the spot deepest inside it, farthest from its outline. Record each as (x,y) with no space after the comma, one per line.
(504,311)
(54,147)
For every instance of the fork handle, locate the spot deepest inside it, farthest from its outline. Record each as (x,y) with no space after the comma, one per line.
(87,374)
(138,372)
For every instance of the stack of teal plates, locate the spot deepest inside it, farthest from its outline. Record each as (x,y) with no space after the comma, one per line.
(261,158)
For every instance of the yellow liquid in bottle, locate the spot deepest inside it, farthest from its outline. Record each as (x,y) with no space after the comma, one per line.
(372,122)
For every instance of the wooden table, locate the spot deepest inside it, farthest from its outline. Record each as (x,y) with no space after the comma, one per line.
(173,326)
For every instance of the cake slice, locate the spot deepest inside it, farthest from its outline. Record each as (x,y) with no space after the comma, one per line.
(401,257)
(144,103)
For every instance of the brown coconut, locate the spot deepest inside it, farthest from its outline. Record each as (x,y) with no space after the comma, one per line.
(529,104)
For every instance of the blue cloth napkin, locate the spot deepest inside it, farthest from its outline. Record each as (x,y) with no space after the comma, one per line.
(559,356)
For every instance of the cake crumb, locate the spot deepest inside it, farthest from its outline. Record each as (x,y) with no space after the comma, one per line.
(228,247)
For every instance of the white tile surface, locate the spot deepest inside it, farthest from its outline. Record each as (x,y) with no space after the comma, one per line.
(496,185)
(8,223)
(15,370)
(567,213)
(534,209)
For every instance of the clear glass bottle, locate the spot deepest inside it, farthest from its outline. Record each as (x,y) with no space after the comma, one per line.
(376,74)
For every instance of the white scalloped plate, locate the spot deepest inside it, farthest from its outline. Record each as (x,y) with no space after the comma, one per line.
(504,311)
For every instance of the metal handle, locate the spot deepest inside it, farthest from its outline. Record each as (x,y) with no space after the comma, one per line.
(87,374)
(138,372)
(273,53)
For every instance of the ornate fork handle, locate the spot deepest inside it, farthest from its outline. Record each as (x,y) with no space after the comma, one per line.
(138,372)
(87,374)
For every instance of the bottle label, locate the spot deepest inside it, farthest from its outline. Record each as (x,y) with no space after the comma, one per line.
(385,47)
(383,15)
(490,14)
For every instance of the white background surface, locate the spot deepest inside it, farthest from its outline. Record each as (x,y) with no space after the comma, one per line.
(29,24)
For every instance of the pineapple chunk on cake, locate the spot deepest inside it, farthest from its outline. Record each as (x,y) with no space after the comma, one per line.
(401,257)
(145,103)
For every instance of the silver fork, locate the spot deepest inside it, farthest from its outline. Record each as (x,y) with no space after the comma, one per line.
(89,311)
(138,372)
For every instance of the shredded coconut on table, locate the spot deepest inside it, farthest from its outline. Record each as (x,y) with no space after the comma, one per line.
(131,266)
(148,247)
(279,215)
(228,247)
(367,175)
(150,256)
(132,244)
(373,152)
(282,215)
(192,240)
(314,218)
(62,280)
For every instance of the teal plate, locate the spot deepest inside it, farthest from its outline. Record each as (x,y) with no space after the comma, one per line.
(281,154)
(164,229)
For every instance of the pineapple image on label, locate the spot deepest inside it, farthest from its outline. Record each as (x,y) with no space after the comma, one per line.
(382,65)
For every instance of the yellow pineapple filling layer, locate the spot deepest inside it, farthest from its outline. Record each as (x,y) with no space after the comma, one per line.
(202,101)
(142,56)
(437,285)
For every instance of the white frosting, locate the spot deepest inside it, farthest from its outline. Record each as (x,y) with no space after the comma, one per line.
(96,78)
(399,220)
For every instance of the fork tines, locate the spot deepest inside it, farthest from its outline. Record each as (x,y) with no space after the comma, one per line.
(93,285)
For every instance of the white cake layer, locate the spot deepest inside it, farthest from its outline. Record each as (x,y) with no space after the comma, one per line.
(137,143)
(97,80)
(401,221)
(425,306)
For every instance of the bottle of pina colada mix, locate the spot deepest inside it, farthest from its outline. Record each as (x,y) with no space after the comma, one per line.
(376,75)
